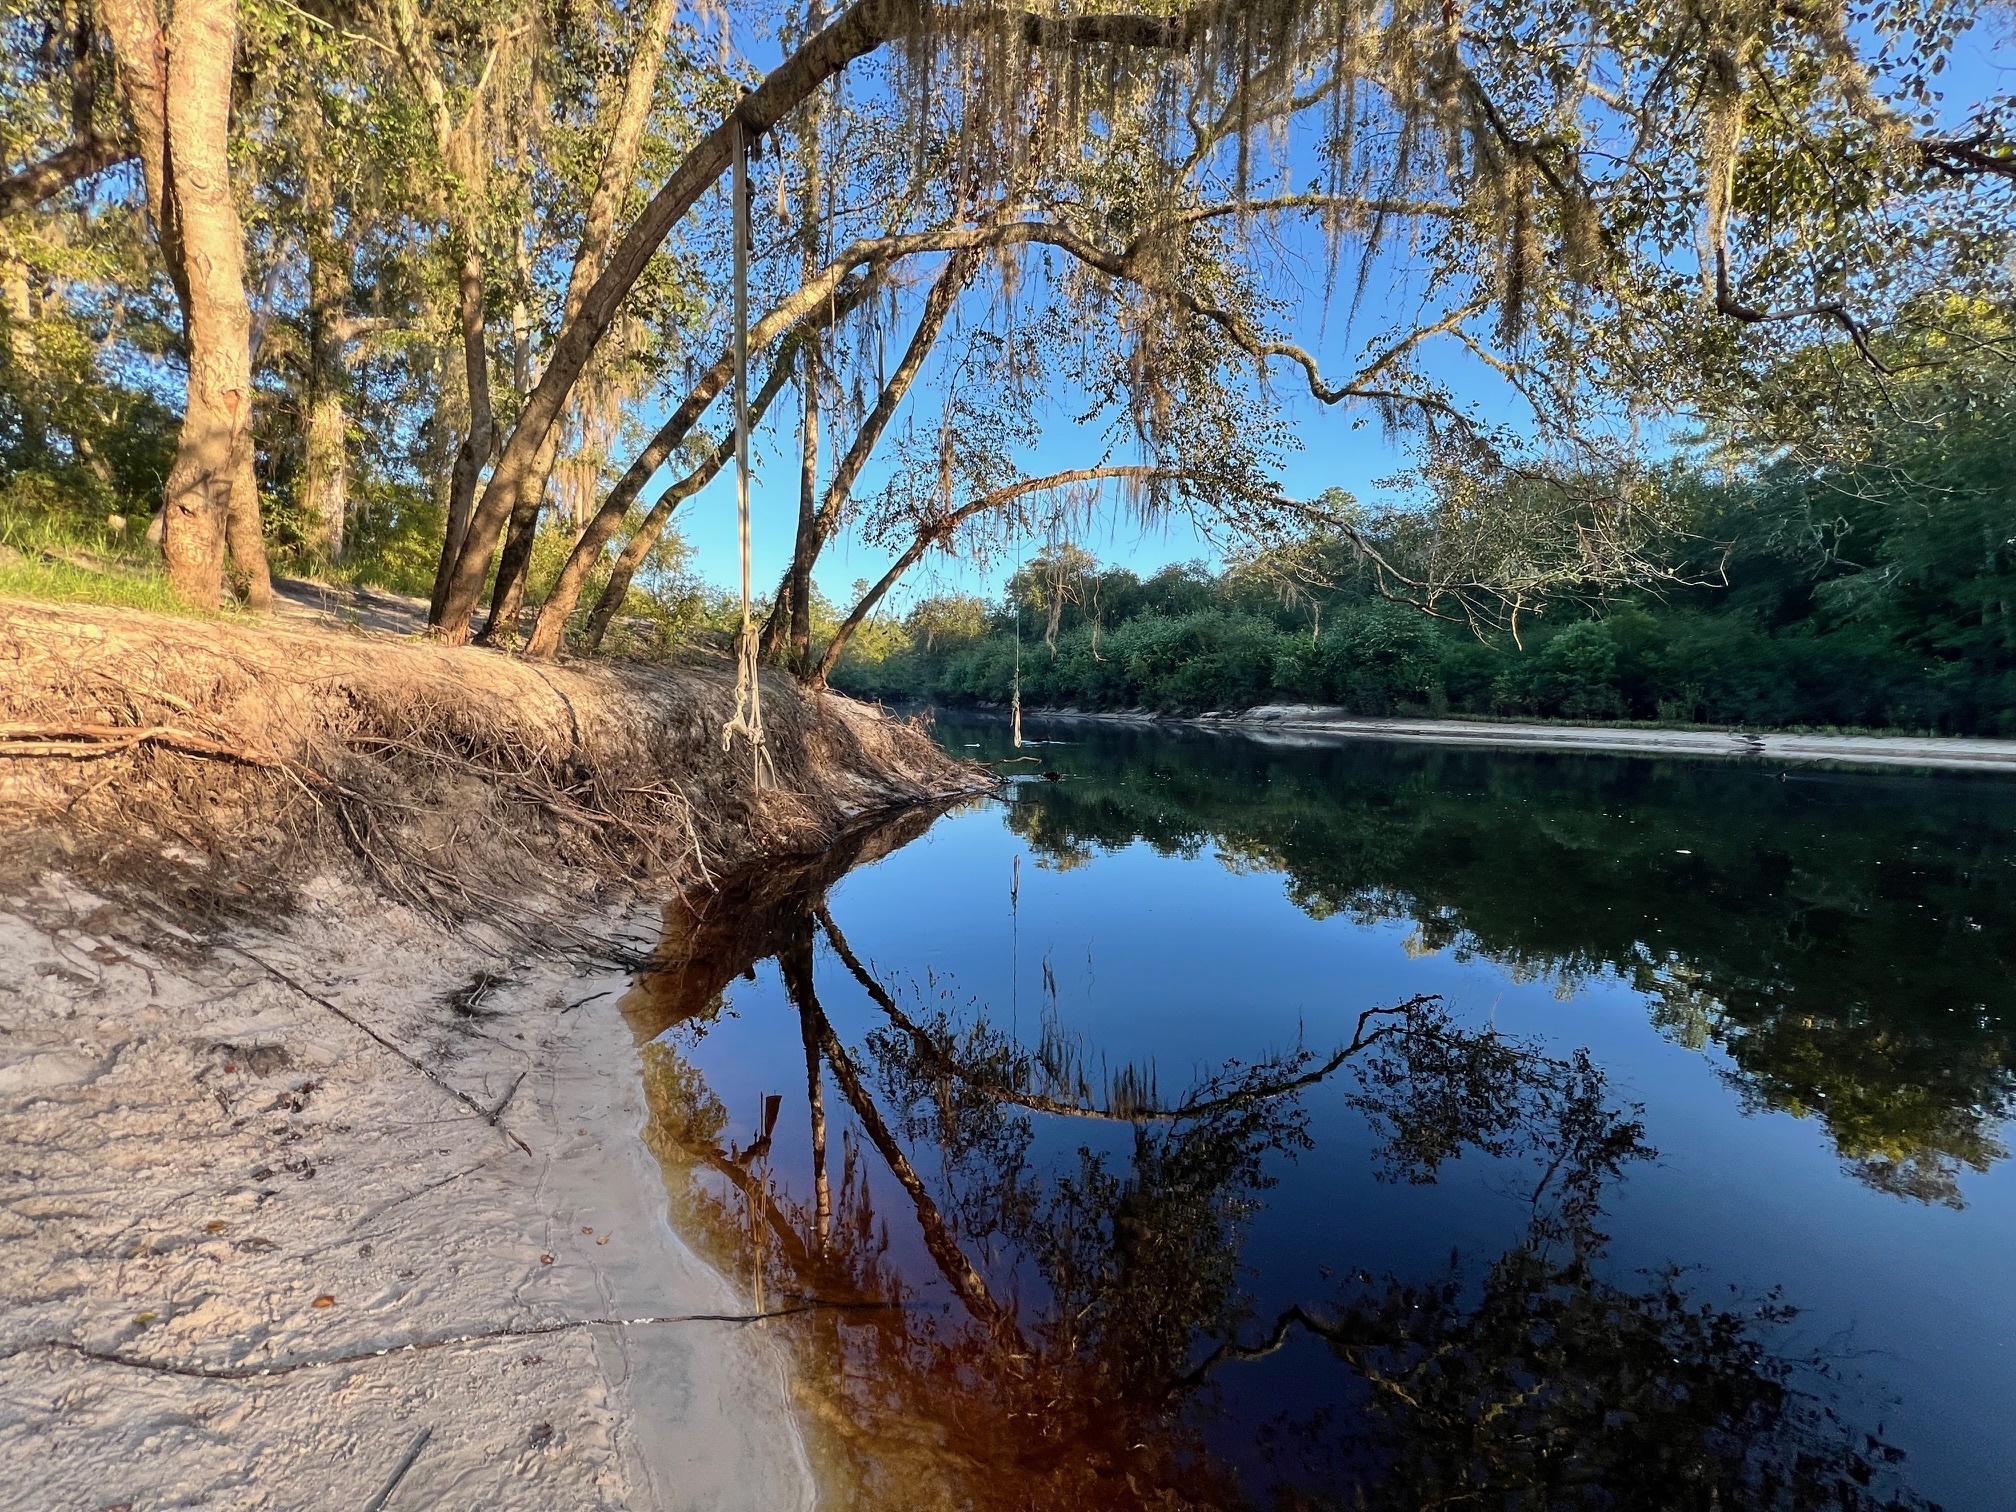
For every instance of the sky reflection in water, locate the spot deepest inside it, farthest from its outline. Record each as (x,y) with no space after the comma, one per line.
(1153,1248)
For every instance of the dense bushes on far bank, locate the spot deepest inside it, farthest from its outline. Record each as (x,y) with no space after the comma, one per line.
(1875,593)
(1380,659)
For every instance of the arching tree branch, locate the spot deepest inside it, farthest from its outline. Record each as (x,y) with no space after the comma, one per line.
(86,157)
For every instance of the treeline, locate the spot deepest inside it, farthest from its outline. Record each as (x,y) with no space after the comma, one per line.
(1878,597)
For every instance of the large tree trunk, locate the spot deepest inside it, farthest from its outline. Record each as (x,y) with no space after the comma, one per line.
(178,89)
(618,171)
(507,600)
(325,463)
(474,451)
(217,421)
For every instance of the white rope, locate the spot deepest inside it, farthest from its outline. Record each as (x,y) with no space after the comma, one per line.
(1015,698)
(748,719)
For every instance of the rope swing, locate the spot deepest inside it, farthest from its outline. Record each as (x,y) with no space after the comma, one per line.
(1015,698)
(748,719)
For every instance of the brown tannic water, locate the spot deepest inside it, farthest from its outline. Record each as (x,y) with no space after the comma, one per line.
(1211,1125)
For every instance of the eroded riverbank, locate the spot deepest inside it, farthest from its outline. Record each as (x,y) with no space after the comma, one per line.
(330,1184)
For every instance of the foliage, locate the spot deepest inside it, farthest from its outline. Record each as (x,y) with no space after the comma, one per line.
(1686,215)
(1879,596)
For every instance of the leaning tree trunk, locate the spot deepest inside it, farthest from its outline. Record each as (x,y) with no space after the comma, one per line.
(858,32)
(815,532)
(826,303)
(325,469)
(646,536)
(618,171)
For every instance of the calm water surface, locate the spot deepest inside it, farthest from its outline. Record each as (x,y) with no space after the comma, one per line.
(1214,1124)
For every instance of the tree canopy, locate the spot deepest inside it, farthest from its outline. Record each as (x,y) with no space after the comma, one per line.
(480,299)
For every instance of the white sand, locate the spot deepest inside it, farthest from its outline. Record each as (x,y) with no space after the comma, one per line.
(195,1151)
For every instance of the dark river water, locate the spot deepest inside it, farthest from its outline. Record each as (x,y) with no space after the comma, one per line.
(1202,1123)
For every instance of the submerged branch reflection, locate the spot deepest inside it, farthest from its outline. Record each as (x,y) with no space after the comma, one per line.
(1852,951)
(1071,1325)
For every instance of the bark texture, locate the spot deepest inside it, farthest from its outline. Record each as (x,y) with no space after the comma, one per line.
(178,90)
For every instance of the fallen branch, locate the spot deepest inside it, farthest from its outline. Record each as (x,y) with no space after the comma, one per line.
(363,1028)
(420,1439)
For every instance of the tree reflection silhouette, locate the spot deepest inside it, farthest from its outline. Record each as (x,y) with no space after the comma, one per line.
(1849,941)
(1073,1332)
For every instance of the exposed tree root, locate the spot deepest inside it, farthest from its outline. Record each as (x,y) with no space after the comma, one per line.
(465,783)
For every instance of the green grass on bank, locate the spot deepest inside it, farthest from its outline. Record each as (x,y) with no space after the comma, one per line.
(56,581)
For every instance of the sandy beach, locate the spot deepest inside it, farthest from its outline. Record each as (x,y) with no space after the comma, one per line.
(244,1166)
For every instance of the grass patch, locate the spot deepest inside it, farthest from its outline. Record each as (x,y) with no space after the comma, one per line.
(55,581)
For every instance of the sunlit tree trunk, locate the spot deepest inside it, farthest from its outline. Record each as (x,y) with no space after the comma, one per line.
(618,170)
(178,90)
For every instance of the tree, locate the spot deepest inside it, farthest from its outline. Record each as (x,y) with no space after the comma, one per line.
(177,84)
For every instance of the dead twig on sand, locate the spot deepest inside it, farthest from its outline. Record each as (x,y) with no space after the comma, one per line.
(377,1503)
(358,1024)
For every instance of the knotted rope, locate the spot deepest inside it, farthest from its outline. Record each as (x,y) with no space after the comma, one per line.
(748,717)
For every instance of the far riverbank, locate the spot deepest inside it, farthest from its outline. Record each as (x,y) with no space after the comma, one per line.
(1305,724)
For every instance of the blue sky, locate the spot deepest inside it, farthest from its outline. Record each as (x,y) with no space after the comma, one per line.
(1342,447)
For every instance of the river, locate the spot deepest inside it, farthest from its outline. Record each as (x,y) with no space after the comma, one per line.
(1207,1123)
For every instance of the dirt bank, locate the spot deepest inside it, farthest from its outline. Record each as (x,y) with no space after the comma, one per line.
(218,759)
(1312,724)
(326,1185)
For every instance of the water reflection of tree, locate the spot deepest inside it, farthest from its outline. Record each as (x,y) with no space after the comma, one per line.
(1850,944)
(1097,1315)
